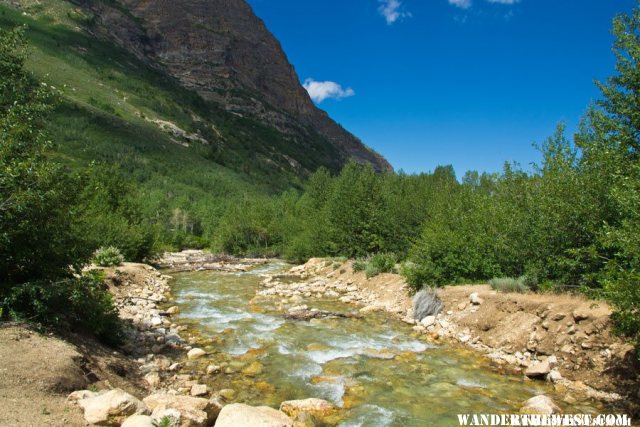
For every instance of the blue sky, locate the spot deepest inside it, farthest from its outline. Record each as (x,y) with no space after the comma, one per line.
(472,83)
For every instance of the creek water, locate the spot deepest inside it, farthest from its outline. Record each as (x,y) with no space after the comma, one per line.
(375,368)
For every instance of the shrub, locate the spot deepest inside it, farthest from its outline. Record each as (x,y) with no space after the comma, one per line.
(509,284)
(79,304)
(426,303)
(108,256)
(376,264)
(380,263)
(359,265)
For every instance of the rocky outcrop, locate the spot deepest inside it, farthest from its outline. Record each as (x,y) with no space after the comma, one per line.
(222,50)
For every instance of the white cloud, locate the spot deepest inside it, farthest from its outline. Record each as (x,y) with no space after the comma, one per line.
(466,4)
(319,91)
(462,4)
(392,10)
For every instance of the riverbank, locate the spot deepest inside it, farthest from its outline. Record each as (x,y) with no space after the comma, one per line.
(165,367)
(563,339)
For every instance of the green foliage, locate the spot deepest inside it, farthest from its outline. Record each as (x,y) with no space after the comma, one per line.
(380,263)
(39,242)
(110,214)
(108,256)
(359,265)
(509,284)
(78,304)
(36,196)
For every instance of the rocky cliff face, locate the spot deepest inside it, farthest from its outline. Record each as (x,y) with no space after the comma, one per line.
(221,49)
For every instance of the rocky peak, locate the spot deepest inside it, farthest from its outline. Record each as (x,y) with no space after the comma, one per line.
(221,49)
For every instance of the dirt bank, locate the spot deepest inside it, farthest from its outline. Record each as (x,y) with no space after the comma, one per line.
(37,372)
(566,339)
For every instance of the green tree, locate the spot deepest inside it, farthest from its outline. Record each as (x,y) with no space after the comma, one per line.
(36,196)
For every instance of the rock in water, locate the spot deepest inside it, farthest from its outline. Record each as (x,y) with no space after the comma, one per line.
(318,408)
(305,314)
(241,415)
(196,353)
(114,405)
(541,404)
(199,390)
(537,370)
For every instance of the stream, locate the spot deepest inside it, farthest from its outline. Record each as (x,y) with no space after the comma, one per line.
(376,368)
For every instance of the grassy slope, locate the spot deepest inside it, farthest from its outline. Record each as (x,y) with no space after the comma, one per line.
(108,99)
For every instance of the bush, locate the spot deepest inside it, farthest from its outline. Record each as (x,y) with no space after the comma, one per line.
(78,304)
(426,303)
(108,257)
(380,263)
(509,284)
(359,265)
(376,264)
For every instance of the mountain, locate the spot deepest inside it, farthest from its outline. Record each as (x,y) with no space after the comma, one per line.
(193,102)
(224,52)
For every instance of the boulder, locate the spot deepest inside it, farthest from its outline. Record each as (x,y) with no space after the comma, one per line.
(538,369)
(580,315)
(475,299)
(318,408)
(114,405)
(240,415)
(138,421)
(173,310)
(541,404)
(196,353)
(194,411)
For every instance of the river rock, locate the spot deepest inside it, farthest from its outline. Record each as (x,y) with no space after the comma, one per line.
(541,404)
(539,369)
(240,415)
(213,369)
(428,321)
(138,421)
(554,376)
(153,379)
(196,353)
(199,390)
(253,369)
(475,299)
(318,408)
(227,394)
(173,310)
(194,411)
(114,405)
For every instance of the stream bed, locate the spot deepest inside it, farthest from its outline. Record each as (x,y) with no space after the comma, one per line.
(376,367)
